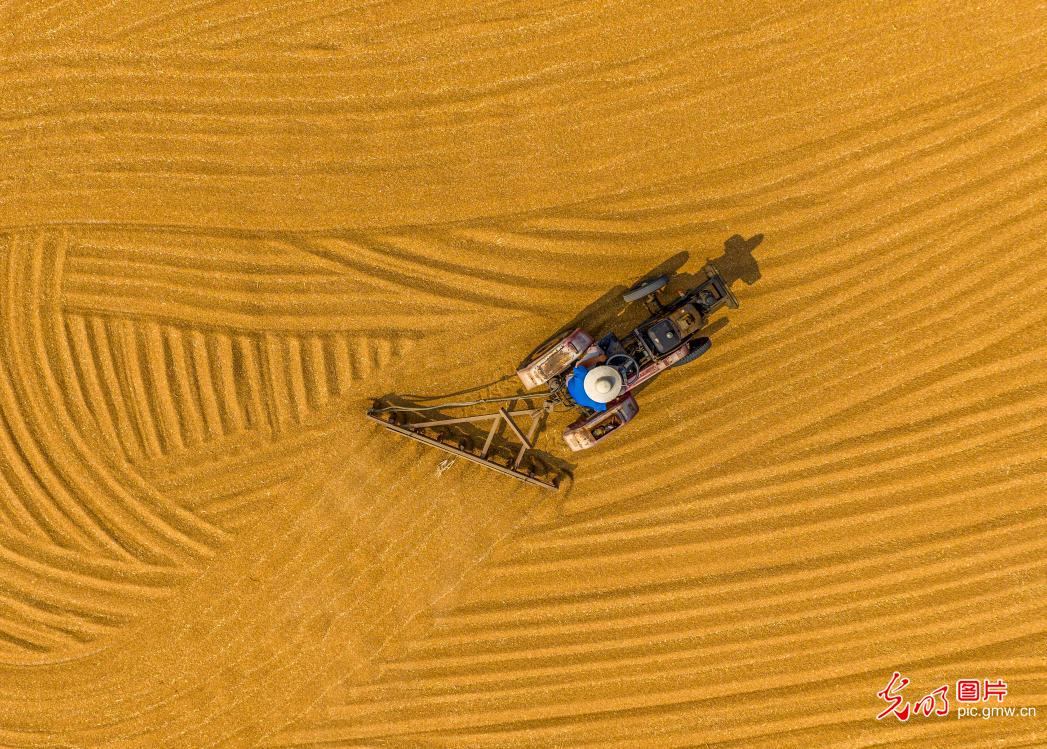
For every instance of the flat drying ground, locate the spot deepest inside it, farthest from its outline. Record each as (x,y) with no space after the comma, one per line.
(226,226)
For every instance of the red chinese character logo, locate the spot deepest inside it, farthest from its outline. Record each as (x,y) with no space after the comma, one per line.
(968,690)
(887,694)
(997,689)
(926,706)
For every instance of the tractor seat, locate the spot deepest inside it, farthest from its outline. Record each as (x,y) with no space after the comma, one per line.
(663,336)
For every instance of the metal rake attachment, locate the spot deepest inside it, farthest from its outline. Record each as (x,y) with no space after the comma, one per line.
(458,435)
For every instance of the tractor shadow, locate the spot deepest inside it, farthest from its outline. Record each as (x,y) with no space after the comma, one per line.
(610,313)
(736,263)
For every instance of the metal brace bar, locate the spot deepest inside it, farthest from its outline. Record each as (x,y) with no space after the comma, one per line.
(490,436)
(516,429)
(536,417)
(469,419)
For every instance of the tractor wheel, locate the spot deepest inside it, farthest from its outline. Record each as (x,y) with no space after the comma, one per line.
(698,347)
(645,288)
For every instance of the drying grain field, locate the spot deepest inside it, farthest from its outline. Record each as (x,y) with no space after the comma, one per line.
(226,226)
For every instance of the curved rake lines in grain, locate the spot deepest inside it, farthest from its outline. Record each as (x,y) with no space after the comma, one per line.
(96,108)
(829,707)
(244,311)
(301,33)
(702,534)
(913,255)
(906,114)
(738,509)
(183,536)
(825,721)
(263,26)
(482,664)
(531,699)
(326,98)
(806,149)
(448,679)
(152,701)
(568,659)
(714,425)
(998,367)
(551,22)
(56,602)
(604,637)
(229,483)
(344,323)
(976,429)
(867,481)
(194,391)
(805,235)
(831,583)
(124,266)
(137,29)
(528,281)
(712,547)
(801,57)
(675,723)
(244,472)
(293,24)
(368,539)
(33,318)
(435,669)
(520,671)
(735,645)
(256,345)
(84,507)
(529,83)
(298,572)
(67,464)
(853,163)
(874,107)
(50,511)
(241,255)
(491,39)
(196,387)
(416,262)
(257,262)
(179,382)
(643,212)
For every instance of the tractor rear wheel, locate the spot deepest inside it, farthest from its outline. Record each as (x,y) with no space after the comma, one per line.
(698,347)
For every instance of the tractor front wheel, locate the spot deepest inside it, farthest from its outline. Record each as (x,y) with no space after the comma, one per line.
(645,288)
